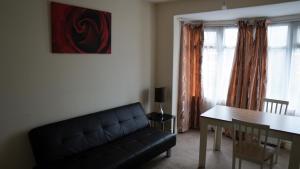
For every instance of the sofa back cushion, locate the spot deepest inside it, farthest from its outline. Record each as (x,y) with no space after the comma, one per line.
(69,137)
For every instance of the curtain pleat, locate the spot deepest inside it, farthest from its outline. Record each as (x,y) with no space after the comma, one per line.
(189,91)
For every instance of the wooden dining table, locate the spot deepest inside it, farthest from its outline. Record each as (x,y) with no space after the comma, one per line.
(283,127)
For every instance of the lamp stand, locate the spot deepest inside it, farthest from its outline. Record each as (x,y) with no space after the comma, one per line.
(161,110)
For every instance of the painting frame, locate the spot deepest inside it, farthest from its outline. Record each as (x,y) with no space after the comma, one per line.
(79,30)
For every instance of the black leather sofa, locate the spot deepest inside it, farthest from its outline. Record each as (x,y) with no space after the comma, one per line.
(118,138)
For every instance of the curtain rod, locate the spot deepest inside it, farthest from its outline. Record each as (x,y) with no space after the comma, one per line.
(274,20)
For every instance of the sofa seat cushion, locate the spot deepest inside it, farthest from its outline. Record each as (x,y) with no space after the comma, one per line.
(125,152)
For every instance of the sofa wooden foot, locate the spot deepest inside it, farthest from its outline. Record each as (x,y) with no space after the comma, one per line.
(169,153)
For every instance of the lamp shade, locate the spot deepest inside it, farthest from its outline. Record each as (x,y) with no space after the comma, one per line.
(160,94)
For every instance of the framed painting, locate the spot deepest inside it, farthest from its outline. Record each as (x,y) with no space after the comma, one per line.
(80,30)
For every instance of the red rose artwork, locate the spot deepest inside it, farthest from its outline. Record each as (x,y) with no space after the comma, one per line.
(80,30)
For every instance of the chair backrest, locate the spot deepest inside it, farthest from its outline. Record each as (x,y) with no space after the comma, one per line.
(246,133)
(275,106)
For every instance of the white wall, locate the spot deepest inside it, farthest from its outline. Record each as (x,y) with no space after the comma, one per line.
(38,87)
(165,13)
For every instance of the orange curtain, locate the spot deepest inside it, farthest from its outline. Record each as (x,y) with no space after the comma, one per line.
(238,86)
(258,67)
(190,93)
(248,81)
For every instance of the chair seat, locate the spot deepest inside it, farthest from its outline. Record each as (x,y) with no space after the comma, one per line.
(253,152)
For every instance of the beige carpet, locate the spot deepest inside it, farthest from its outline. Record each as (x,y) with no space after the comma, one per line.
(185,155)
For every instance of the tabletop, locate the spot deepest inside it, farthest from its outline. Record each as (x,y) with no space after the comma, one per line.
(284,123)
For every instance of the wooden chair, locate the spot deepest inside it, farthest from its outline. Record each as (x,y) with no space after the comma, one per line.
(272,106)
(246,144)
(276,107)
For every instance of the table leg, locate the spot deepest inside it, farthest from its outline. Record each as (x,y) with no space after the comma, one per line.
(295,153)
(218,138)
(203,143)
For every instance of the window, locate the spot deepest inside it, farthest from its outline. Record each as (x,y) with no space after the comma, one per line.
(218,53)
(284,64)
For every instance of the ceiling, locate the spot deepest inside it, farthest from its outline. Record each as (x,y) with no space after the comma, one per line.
(273,10)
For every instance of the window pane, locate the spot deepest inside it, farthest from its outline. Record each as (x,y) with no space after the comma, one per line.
(209,65)
(230,37)
(210,39)
(294,89)
(277,36)
(278,65)
(296,62)
(224,73)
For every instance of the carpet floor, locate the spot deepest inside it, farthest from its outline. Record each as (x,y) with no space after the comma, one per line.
(185,155)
